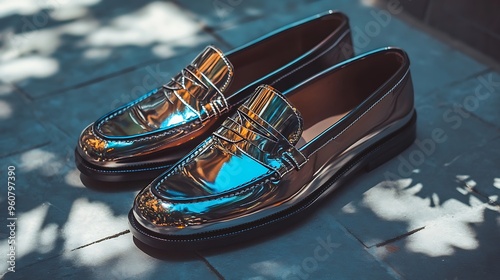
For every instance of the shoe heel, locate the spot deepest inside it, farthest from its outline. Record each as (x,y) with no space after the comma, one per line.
(392,145)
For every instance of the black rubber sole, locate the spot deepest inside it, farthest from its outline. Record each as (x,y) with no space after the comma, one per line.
(137,173)
(371,158)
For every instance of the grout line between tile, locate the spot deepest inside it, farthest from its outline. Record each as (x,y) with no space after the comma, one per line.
(389,269)
(217,37)
(93,81)
(348,232)
(109,75)
(399,237)
(210,266)
(466,78)
(23,93)
(492,125)
(24,150)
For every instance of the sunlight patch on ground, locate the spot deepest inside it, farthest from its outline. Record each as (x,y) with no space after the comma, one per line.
(32,234)
(131,262)
(34,37)
(28,42)
(446,223)
(163,50)
(5,110)
(5,90)
(72,178)
(28,67)
(119,256)
(97,53)
(68,13)
(369,3)
(496,183)
(30,7)
(443,234)
(91,221)
(269,268)
(80,28)
(155,23)
(349,208)
(38,159)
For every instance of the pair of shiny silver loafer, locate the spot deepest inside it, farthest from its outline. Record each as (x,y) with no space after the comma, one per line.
(243,142)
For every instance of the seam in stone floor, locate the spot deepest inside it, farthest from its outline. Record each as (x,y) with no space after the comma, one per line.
(464,79)
(209,30)
(223,25)
(24,94)
(389,269)
(210,266)
(492,125)
(93,81)
(25,150)
(114,74)
(204,28)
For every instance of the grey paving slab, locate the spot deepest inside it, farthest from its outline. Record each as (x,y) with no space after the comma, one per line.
(375,28)
(371,29)
(485,179)
(318,248)
(55,212)
(116,258)
(256,28)
(20,130)
(94,44)
(422,184)
(84,105)
(476,96)
(472,257)
(267,22)
(473,98)
(224,13)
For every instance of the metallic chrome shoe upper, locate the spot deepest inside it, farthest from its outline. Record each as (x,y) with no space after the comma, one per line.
(166,123)
(194,94)
(267,156)
(179,108)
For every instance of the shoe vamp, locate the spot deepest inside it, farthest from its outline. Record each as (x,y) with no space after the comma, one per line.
(213,172)
(153,113)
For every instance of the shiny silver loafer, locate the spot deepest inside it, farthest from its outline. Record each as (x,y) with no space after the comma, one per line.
(146,136)
(278,154)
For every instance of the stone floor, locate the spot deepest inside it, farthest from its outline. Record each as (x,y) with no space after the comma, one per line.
(431,213)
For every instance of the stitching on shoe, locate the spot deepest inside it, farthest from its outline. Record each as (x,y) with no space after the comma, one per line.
(192,125)
(229,67)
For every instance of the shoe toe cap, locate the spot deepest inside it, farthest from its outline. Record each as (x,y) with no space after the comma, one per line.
(93,147)
(162,216)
